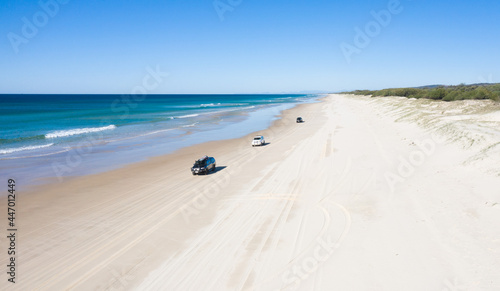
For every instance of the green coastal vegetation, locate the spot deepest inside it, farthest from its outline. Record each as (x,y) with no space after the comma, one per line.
(440,92)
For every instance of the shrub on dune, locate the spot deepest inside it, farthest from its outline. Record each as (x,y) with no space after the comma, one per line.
(445,93)
(437,93)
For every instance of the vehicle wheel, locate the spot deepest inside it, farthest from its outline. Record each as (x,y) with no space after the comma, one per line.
(215,167)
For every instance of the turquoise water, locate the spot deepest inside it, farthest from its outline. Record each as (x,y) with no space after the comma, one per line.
(66,135)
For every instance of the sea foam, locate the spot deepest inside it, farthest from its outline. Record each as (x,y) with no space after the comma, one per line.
(27,148)
(187,116)
(64,133)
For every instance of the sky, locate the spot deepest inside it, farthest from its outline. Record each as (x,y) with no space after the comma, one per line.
(244,46)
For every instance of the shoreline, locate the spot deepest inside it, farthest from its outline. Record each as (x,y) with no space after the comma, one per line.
(52,182)
(93,156)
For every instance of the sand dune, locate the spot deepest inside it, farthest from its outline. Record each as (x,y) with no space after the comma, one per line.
(367,194)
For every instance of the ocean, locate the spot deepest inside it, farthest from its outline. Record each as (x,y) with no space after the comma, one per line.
(43,136)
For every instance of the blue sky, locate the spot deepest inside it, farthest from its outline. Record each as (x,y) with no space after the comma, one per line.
(257,47)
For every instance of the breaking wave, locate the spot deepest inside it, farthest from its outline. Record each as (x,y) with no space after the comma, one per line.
(26,148)
(64,133)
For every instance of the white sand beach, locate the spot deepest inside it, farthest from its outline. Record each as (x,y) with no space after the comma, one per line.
(367,194)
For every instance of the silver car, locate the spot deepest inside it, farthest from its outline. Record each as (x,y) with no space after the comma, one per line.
(258,141)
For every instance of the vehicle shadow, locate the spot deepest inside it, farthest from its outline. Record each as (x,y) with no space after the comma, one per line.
(266,144)
(217,169)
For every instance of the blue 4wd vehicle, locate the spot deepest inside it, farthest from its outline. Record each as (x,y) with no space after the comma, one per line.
(203,166)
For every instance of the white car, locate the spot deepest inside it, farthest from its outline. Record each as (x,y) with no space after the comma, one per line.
(258,141)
